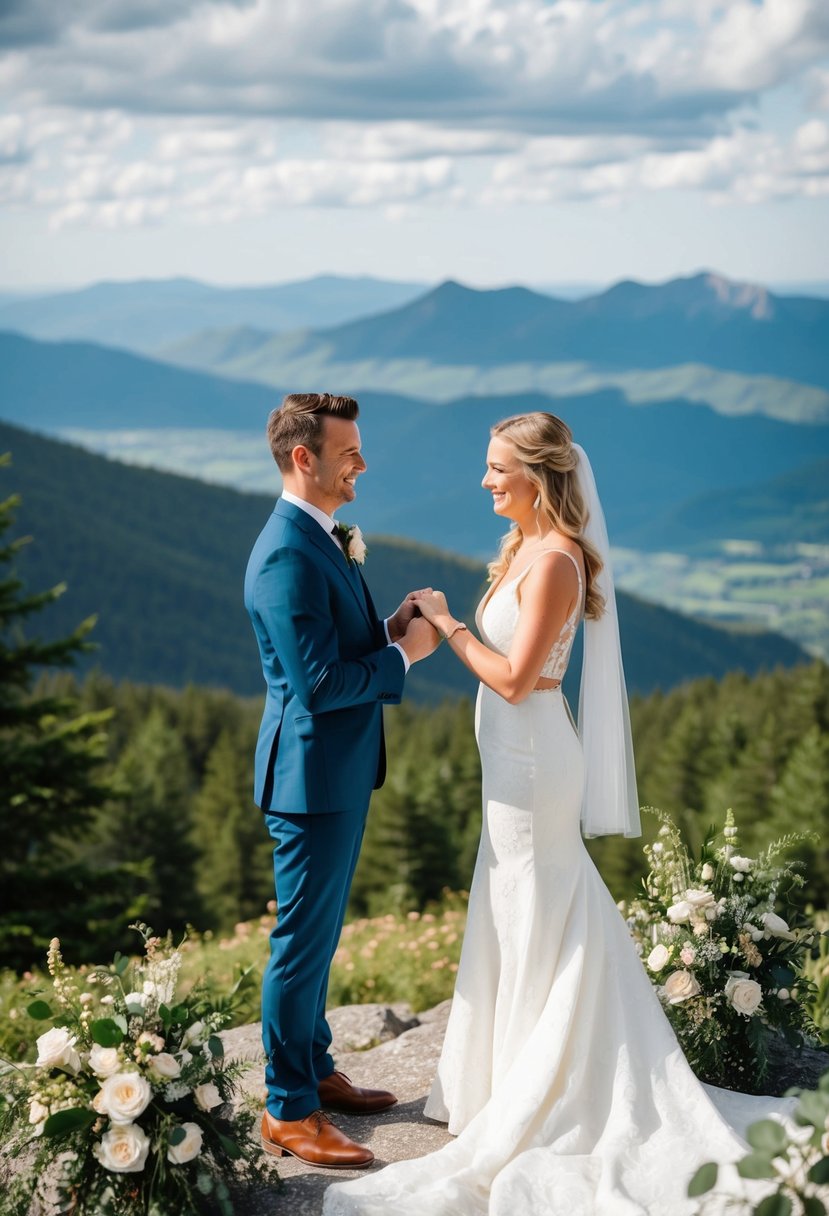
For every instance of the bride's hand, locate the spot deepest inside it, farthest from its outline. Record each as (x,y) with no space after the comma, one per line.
(432,604)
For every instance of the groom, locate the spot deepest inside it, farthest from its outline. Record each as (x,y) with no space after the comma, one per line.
(330,664)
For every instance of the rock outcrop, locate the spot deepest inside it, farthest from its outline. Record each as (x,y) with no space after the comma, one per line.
(404,1060)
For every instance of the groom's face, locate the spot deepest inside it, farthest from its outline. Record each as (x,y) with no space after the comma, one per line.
(338,465)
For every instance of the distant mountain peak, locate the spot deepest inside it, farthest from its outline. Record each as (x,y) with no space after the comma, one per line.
(750,297)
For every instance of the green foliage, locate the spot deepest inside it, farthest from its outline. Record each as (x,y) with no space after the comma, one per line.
(52,782)
(727,967)
(792,1156)
(172,1126)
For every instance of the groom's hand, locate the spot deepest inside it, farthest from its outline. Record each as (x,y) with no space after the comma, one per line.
(399,622)
(419,640)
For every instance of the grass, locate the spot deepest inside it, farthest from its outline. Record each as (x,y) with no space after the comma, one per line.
(411,957)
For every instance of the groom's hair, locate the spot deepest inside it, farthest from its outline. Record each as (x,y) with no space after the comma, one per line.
(299,420)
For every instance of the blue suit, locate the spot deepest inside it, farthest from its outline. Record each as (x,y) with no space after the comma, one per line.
(329,671)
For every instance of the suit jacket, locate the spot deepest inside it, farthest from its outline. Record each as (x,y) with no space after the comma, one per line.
(328,669)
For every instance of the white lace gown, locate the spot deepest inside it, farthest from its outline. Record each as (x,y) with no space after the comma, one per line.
(560,1074)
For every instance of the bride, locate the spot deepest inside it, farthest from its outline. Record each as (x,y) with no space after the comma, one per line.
(560,1074)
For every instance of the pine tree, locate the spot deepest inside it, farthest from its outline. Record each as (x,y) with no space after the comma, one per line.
(800,802)
(51,786)
(151,822)
(234,870)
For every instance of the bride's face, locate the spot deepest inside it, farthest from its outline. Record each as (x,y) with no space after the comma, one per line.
(513,494)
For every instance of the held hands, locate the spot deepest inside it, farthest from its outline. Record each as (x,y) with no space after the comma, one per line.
(399,622)
(419,640)
(433,605)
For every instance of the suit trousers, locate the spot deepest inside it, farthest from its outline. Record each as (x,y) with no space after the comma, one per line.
(314,859)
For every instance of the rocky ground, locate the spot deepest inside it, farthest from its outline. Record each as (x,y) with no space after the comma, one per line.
(376,1046)
(391,1048)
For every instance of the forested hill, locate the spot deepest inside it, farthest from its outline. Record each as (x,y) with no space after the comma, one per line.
(160,559)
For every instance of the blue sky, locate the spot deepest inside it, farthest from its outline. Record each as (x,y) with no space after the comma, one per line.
(525,140)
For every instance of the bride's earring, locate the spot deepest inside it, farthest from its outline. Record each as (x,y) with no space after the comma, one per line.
(537,502)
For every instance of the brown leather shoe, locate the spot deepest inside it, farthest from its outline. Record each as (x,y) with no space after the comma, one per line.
(314,1140)
(337,1093)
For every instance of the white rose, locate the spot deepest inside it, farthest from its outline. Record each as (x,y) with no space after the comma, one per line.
(679,986)
(123,1150)
(38,1114)
(357,546)
(741,864)
(744,994)
(124,1096)
(699,898)
(658,957)
(195,1035)
(707,872)
(104,1061)
(189,1147)
(775,926)
(680,912)
(163,1067)
(207,1096)
(56,1049)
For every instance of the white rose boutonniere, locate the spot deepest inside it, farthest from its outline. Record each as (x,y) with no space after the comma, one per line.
(354,546)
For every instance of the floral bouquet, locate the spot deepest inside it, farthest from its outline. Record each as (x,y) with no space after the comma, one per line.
(726,965)
(123,1105)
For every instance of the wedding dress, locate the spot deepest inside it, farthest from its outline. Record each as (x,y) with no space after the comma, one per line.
(560,1073)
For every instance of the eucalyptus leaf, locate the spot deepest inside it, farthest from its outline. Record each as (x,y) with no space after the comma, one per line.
(755,1165)
(106,1032)
(204,1182)
(215,1045)
(66,1121)
(177,1135)
(774,1205)
(819,1172)
(703,1180)
(813,1207)
(767,1137)
(39,1010)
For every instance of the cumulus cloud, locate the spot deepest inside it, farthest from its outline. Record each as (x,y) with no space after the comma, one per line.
(123,111)
(526,65)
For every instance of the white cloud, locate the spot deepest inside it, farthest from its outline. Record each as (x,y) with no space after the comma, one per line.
(125,111)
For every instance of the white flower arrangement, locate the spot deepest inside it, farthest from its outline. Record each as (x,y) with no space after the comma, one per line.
(131,1082)
(724,963)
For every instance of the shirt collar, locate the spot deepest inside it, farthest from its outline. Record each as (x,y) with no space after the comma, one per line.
(326,522)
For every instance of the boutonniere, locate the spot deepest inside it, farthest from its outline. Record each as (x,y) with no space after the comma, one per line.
(353,544)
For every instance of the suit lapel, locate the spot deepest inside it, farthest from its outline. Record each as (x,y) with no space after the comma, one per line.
(329,549)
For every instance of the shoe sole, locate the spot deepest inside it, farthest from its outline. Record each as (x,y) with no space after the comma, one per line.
(277,1150)
(343,1109)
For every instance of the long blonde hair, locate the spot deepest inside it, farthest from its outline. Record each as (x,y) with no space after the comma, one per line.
(544,449)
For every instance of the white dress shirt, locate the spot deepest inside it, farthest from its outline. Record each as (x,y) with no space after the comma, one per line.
(328,524)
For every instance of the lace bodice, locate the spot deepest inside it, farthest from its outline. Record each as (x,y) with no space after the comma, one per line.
(497,618)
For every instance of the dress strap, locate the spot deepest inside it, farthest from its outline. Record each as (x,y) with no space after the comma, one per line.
(517,580)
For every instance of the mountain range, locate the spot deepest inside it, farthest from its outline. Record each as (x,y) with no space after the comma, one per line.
(734,346)
(425,459)
(161,559)
(148,314)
